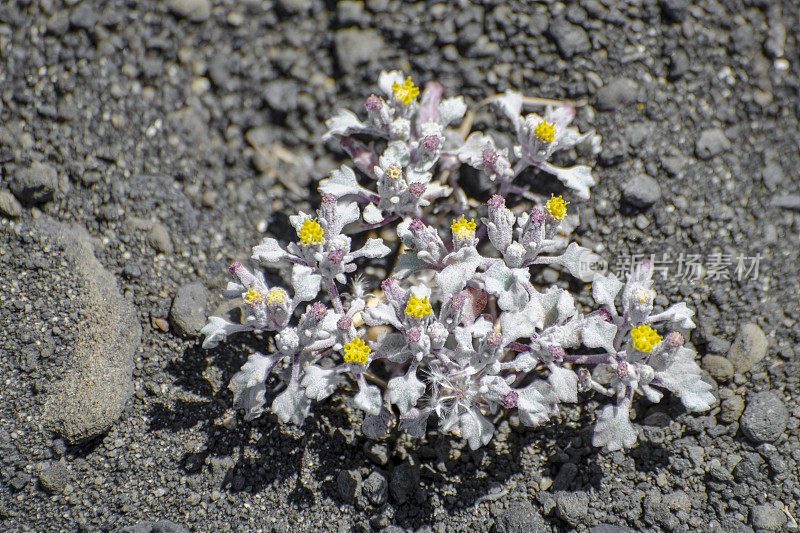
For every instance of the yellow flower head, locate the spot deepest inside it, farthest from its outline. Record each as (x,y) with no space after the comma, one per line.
(644,337)
(545,132)
(311,232)
(356,351)
(405,92)
(394,171)
(418,307)
(557,207)
(276,296)
(252,296)
(463,228)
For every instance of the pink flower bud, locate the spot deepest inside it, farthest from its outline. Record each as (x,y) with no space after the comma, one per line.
(335,256)
(329,199)
(413,335)
(510,399)
(675,339)
(417,189)
(416,225)
(489,158)
(496,201)
(431,142)
(537,216)
(344,323)
(458,300)
(234,267)
(622,369)
(556,352)
(373,103)
(319,311)
(494,338)
(605,315)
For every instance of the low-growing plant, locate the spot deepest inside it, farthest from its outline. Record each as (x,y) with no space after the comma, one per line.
(457,333)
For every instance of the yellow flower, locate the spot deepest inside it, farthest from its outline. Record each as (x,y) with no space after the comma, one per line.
(644,295)
(311,232)
(418,307)
(545,132)
(644,337)
(276,295)
(394,171)
(356,351)
(463,228)
(557,207)
(405,92)
(252,297)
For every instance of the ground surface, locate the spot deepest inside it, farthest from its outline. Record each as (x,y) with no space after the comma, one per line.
(177,132)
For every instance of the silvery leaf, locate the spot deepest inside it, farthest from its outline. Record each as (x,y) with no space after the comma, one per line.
(292,405)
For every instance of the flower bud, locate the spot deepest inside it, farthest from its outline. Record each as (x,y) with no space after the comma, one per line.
(556,352)
(417,189)
(510,399)
(373,103)
(675,339)
(414,335)
(584,380)
(344,323)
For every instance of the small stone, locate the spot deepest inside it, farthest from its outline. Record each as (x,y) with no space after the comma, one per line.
(294,6)
(193,10)
(20,481)
(349,484)
(765,418)
(84,16)
(749,347)
(355,46)
(572,507)
(786,201)
(36,184)
(405,480)
(520,517)
(569,38)
(721,369)
(610,528)
(641,191)
(678,64)
(731,409)
(188,312)
(617,93)
(281,95)
(767,517)
(772,175)
(160,324)
(376,488)
(9,206)
(711,142)
(54,478)
(159,239)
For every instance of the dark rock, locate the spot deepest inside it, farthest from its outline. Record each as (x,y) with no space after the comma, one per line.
(36,184)
(765,418)
(674,10)
(405,480)
(641,191)
(188,311)
(570,39)
(376,488)
(349,484)
(711,142)
(617,93)
(98,382)
(54,478)
(20,480)
(520,517)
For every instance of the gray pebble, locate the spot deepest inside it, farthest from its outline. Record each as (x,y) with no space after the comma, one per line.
(610,528)
(786,201)
(84,16)
(405,479)
(193,10)
(20,481)
(678,64)
(9,206)
(674,10)
(767,517)
(570,39)
(711,142)
(749,347)
(349,484)
(731,409)
(54,478)
(772,174)
(354,47)
(641,191)
(765,418)
(520,517)
(281,95)
(617,93)
(572,507)
(721,369)
(158,236)
(36,184)
(188,312)
(376,488)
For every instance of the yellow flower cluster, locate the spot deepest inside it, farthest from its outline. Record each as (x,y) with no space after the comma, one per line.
(545,132)
(356,351)
(405,92)
(394,171)
(418,307)
(557,207)
(644,338)
(252,297)
(276,296)
(311,232)
(463,228)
